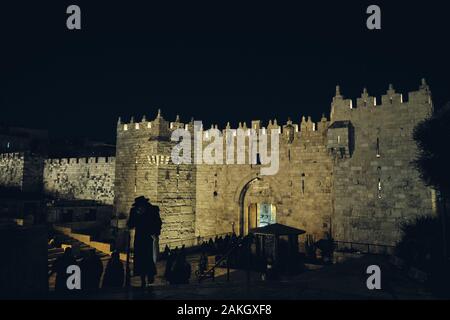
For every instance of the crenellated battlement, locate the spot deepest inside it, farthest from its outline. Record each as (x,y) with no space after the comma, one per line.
(156,126)
(81,160)
(12,155)
(159,126)
(391,101)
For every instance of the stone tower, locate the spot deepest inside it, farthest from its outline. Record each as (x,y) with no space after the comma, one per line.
(143,167)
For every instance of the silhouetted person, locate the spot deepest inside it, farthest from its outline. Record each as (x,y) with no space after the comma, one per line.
(166,252)
(211,246)
(144,217)
(181,270)
(169,263)
(114,273)
(60,268)
(203,263)
(91,271)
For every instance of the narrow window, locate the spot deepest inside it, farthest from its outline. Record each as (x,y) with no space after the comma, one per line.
(379,186)
(289,155)
(378,148)
(303,183)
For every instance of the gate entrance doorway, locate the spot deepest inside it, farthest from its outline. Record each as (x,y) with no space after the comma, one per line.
(260,215)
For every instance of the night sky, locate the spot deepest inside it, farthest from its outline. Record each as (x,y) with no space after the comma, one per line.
(216,61)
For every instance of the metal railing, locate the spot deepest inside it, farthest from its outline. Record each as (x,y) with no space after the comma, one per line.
(210,273)
(369,248)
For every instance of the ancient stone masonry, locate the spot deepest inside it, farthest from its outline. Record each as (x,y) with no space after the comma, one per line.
(349,174)
(375,188)
(70,179)
(11,169)
(81,178)
(143,167)
(21,171)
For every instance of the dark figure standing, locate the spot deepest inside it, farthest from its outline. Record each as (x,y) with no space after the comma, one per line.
(169,262)
(60,267)
(91,271)
(145,219)
(114,273)
(181,270)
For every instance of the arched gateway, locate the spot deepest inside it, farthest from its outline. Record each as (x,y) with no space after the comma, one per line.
(257,205)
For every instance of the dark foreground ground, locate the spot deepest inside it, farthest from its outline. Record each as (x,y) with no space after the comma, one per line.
(341,281)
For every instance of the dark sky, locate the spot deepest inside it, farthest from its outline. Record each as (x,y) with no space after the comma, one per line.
(217,61)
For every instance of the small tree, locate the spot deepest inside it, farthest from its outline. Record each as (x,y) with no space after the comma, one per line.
(421,243)
(432,162)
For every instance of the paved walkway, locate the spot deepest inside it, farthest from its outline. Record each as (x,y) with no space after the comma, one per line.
(341,281)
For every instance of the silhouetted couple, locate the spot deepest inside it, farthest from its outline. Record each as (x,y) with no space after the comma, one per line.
(145,219)
(92,269)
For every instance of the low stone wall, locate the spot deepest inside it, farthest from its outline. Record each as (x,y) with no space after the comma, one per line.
(23,271)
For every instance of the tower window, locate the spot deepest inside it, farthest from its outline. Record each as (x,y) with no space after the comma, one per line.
(303,183)
(258,159)
(379,188)
(379,185)
(378,148)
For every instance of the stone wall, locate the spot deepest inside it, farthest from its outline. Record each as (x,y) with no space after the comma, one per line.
(81,178)
(21,171)
(350,175)
(300,191)
(11,170)
(376,189)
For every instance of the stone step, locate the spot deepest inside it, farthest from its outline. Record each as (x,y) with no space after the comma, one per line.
(54,253)
(55,250)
